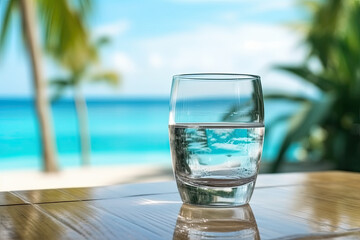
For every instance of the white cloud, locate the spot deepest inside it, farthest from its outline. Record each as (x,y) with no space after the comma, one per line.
(229,16)
(123,63)
(156,60)
(212,48)
(256,4)
(149,64)
(206,1)
(112,30)
(268,6)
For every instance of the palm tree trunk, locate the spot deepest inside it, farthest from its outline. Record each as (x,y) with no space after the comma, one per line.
(82,116)
(42,105)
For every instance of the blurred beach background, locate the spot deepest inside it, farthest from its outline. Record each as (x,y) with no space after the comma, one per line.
(111,96)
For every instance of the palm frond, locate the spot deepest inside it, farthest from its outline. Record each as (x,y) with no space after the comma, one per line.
(300,125)
(312,6)
(59,84)
(307,75)
(344,60)
(248,110)
(65,35)
(323,30)
(6,21)
(58,94)
(101,41)
(333,38)
(231,115)
(287,97)
(84,6)
(107,76)
(278,120)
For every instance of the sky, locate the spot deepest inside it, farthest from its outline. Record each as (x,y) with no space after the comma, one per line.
(153,40)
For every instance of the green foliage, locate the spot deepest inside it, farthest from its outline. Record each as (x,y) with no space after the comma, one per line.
(84,71)
(79,56)
(61,23)
(108,76)
(65,38)
(65,34)
(333,38)
(6,21)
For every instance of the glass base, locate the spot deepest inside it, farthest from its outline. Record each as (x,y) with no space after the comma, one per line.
(215,196)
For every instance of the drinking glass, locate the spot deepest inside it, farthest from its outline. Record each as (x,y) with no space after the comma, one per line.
(216,129)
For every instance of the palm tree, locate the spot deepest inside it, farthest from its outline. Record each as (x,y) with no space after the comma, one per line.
(328,128)
(62,28)
(81,71)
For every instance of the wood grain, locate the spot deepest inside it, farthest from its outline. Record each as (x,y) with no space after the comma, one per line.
(94,223)
(43,196)
(27,222)
(323,205)
(118,191)
(7,198)
(149,213)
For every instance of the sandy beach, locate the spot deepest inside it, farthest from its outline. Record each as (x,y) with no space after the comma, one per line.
(115,174)
(84,177)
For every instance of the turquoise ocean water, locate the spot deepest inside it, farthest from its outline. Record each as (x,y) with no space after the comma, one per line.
(126,131)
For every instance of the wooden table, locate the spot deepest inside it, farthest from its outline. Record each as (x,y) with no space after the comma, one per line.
(320,205)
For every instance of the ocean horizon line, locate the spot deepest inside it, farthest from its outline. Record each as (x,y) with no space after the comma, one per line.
(90,100)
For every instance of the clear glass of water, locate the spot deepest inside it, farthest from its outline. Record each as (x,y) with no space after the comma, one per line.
(216,129)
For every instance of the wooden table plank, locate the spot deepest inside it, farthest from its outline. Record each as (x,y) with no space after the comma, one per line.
(286,179)
(280,179)
(44,196)
(91,193)
(288,206)
(142,189)
(333,213)
(152,212)
(27,222)
(94,223)
(7,198)
(349,179)
(120,191)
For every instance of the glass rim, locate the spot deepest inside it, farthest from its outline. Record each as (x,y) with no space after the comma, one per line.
(216,76)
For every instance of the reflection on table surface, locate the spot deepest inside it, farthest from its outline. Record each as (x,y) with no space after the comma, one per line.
(195,222)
